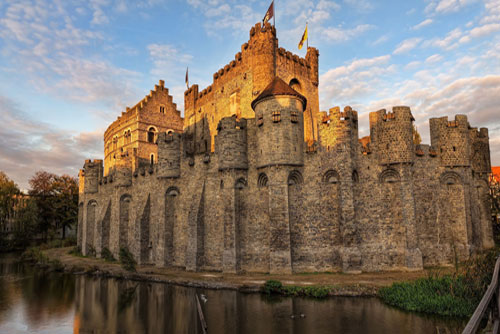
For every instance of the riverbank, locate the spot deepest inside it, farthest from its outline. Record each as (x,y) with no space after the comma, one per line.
(364,284)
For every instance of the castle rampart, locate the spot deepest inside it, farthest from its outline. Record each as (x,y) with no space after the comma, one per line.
(243,188)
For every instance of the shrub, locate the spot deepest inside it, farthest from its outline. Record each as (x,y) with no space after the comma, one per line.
(57,265)
(272,286)
(276,287)
(107,255)
(127,260)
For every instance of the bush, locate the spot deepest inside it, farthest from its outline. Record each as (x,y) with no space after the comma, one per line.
(34,254)
(450,295)
(127,260)
(107,255)
(276,287)
(57,265)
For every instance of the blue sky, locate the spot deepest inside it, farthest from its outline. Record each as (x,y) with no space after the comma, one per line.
(69,68)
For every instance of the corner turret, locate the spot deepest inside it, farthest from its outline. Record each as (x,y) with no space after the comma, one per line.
(280,125)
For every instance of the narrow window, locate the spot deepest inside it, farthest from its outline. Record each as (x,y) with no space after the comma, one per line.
(152,159)
(260,120)
(162,109)
(276,116)
(151,135)
(294,116)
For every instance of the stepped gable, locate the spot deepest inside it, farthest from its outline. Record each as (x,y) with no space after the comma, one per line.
(278,87)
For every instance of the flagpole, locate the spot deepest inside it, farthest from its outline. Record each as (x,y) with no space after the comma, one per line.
(274,16)
(307,41)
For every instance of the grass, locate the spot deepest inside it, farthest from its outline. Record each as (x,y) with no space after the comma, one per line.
(454,295)
(276,287)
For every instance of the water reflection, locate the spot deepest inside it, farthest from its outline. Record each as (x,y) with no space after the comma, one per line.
(33,301)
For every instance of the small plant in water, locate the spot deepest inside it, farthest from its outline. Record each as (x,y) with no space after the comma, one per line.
(127,260)
(276,287)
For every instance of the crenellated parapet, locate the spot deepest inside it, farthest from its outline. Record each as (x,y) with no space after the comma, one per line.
(338,130)
(391,135)
(451,139)
(169,155)
(231,143)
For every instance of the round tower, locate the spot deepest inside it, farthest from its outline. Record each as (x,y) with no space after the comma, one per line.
(280,125)
(169,154)
(231,143)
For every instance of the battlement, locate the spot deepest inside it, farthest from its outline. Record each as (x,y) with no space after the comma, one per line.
(399,113)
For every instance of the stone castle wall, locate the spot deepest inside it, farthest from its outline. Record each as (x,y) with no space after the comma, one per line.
(258,180)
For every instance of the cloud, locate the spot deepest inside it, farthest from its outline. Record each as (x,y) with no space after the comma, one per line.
(361,5)
(447,6)
(355,80)
(407,45)
(28,145)
(43,42)
(434,58)
(334,34)
(422,24)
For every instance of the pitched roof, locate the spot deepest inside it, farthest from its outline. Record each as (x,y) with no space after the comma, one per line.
(278,87)
(495,171)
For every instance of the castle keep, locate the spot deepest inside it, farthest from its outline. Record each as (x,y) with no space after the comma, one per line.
(256,179)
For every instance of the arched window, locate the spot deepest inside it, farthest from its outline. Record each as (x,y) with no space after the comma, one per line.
(151,135)
(295,85)
(262,180)
(162,109)
(152,159)
(115,142)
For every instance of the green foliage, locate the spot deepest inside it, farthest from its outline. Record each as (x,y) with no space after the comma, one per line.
(107,255)
(56,265)
(276,287)
(57,201)
(8,198)
(35,254)
(127,260)
(450,295)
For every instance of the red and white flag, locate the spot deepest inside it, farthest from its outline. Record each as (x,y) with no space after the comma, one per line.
(269,13)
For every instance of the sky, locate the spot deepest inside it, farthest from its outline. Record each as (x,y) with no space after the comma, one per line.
(69,68)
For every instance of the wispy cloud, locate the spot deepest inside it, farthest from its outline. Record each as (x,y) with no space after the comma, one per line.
(407,45)
(28,145)
(422,24)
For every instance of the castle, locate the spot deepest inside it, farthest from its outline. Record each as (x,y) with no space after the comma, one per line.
(255,178)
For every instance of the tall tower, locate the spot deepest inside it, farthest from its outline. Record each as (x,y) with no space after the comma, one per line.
(280,156)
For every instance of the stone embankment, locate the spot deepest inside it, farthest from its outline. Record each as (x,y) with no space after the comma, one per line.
(355,285)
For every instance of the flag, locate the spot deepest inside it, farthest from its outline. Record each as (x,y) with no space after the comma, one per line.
(303,39)
(187,77)
(269,13)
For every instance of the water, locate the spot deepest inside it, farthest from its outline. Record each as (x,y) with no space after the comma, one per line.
(37,301)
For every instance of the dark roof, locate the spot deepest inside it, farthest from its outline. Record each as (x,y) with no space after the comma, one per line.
(279,87)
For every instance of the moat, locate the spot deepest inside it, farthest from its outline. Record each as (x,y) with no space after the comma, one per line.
(33,300)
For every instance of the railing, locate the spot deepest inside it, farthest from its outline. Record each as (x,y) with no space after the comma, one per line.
(491,302)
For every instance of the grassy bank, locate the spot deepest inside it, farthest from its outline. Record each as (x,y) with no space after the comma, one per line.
(450,295)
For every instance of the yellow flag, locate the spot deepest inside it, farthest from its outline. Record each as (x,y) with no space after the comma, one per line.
(303,39)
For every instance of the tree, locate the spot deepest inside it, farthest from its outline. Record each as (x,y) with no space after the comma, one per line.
(27,222)
(43,194)
(56,198)
(416,136)
(8,197)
